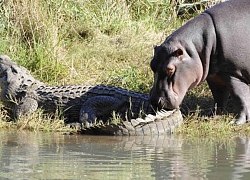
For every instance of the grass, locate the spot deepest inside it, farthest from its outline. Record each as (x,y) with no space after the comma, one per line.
(97,42)
(214,127)
(40,122)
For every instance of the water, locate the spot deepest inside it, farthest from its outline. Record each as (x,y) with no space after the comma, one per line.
(30,155)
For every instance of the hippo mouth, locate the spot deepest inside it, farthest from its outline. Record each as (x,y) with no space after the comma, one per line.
(168,102)
(165,103)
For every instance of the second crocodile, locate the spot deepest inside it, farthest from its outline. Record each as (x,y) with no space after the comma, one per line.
(23,94)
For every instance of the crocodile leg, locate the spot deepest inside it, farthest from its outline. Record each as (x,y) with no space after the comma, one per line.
(26,106)
(99,106)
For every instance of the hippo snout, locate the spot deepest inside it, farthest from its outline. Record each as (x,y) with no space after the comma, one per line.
(163,102)
(160,102)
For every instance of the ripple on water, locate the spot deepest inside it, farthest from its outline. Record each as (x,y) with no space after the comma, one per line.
(27,155)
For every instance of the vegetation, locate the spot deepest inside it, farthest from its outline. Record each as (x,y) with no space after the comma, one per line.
(96,42)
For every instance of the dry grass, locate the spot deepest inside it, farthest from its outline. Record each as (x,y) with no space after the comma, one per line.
(40,122)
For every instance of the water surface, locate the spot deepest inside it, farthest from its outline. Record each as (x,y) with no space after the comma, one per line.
(30,155)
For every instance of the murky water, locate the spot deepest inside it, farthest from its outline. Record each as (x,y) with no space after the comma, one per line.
(29,155)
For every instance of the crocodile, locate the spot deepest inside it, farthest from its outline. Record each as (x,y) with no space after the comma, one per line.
(162,123)
(85,104)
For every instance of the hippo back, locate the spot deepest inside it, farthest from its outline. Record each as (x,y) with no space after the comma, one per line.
(232,24)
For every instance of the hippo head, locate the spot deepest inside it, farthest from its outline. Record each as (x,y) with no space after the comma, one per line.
(176,69)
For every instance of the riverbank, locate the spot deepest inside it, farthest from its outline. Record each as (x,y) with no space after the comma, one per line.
(106,42)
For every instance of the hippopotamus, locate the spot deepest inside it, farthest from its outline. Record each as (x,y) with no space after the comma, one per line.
(214,46)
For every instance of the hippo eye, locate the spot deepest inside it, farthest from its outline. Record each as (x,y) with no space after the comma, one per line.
(178,53)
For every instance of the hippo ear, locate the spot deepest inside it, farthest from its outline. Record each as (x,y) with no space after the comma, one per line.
(156,49)
(179,53)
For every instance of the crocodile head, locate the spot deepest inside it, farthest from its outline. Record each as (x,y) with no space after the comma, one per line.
(14,80)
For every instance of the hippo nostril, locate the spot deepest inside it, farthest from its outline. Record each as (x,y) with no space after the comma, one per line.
(170,70)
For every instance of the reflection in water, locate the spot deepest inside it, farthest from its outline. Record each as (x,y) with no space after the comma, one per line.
(28,155)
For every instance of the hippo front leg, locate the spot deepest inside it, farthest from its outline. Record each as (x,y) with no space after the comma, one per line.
(99,106)
(220,93)
(241,100)
(221,86)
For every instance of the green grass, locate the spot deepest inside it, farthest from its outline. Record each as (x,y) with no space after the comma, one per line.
(84,41)
(97,42)
(216,128)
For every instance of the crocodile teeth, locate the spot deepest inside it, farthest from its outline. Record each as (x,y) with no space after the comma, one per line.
(140,120)
(128,125)
(149,118)
(134,122)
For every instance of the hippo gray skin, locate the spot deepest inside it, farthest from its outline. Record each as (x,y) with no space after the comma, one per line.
(214,46)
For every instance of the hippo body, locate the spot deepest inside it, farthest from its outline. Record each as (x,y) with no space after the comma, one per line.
(214,46)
